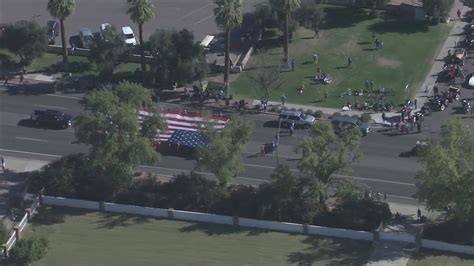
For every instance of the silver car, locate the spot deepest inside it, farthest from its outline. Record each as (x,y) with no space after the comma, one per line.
(86,37)
(300,119)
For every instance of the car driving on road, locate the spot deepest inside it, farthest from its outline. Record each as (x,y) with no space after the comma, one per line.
(342,123)
(301,120)
(51,119)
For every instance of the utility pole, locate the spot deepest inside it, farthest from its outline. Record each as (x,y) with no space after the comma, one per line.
(277,137)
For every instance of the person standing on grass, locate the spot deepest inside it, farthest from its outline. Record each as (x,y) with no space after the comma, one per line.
(325,96)
(283,99)
(459,14)
(349,62)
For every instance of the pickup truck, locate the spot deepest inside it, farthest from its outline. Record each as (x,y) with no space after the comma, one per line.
(51,119)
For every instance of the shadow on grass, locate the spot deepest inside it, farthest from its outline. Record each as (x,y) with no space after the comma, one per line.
(343,17)
(75,67)
(398,26)
(56,215)
(438,256)
(110,220)
(336,252)
(218,229)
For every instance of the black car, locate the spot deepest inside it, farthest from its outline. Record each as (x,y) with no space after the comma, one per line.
(53,31)
(51,119)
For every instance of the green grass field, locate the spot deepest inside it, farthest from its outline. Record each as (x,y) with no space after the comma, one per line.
(406,58)
(49,64)
(91,238)
(433,258)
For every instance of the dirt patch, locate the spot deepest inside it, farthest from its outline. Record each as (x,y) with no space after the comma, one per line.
(385,62)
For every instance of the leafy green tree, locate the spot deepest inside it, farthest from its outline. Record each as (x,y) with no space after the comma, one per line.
(286,7)
(324,154)
(262,14)
(61,9)
(28,250)
(223,157)
(177,57)
(110,126)
(141,11)
(108,51)
(25,39)
(310,15)
(437,8)
(228,16)
(266,78)
(447,177)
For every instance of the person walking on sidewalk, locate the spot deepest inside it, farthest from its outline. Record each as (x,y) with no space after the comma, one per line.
(459,14)
(5,83)
(418,213)
(22,78)
(3,164)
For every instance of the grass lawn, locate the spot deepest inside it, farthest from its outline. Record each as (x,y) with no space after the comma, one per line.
(433,258)
(49,64)
(91,238)
(406,58)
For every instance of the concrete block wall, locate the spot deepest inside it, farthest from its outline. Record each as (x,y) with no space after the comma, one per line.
(137,210)
(202,217)
(73,203)
(341,233)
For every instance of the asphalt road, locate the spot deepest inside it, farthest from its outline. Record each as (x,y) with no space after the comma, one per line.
(380,169)
(194,15)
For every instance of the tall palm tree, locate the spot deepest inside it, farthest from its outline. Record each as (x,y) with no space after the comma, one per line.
(61,9)
(141,11)
(228,16)
(286,7)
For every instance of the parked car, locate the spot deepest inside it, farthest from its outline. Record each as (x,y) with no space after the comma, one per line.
(342,123)
(51,118)
(301,120)
(52,31)
(103,27)
(129,36)
(86,37)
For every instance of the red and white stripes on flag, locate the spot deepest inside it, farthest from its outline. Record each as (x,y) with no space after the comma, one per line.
(177,119)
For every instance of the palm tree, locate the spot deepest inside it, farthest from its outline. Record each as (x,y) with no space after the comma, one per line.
(61,9)
(141,11)
(286,7)
(228,16)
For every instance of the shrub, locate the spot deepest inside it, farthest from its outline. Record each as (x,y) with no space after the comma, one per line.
(274,109)
(4,234)
(26,251)
(309,112)
(458,232)
(318,114)
(365,117)
(301,110)
(374,14)
(336,114)
(293,109)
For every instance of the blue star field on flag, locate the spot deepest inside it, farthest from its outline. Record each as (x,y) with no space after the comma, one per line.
(189,139)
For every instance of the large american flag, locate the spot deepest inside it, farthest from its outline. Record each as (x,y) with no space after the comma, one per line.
(179,122)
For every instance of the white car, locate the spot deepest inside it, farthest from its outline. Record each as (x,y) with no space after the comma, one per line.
(104,26)
(129,36)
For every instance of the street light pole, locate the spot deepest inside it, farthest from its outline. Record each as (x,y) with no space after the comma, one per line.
(278,140)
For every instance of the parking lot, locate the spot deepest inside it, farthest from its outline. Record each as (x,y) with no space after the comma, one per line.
(194,15)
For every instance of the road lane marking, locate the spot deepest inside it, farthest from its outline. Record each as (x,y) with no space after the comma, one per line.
(31,153)
(40,140)
(204,19)
(195,11)
(49,106)
(247,178)
(64,96)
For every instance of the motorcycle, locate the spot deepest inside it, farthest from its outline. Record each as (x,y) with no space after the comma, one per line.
(466,106)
